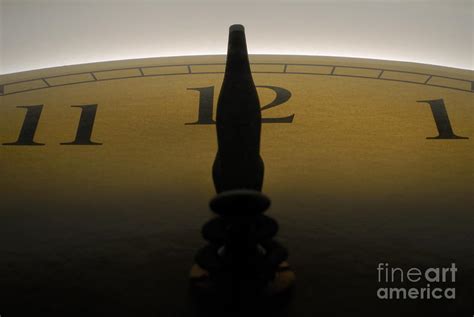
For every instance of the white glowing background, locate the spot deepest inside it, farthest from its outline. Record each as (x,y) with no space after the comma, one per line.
(45,33)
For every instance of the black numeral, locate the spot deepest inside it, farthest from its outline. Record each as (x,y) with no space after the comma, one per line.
(441,118)
(84,129)
(28,129)
(205,109)
(282,95)
(206,104)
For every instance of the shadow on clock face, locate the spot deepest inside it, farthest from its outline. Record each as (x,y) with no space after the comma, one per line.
(130,254)
(356,187)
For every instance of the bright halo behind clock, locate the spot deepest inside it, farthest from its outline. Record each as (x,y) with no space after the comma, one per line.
(45,34)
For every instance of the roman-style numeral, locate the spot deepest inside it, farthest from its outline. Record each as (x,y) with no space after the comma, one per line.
(30,123)
(441,118)
(84,129)
(282,95)
(28,129)
(206,104)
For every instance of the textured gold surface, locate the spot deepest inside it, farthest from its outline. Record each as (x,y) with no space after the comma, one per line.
(350,137)
(353,181)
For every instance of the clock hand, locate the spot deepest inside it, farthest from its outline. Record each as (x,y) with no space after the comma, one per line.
(240,246)
(238,122)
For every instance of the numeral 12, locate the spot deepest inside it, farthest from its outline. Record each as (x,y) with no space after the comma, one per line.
(206,104)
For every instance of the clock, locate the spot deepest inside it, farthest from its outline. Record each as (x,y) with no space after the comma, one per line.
(106,178)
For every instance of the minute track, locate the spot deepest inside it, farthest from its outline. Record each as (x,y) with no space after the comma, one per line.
(426,79)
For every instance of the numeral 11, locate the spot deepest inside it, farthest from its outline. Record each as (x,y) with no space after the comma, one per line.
(32,116)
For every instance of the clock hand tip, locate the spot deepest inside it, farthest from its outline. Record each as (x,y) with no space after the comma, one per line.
(236,28)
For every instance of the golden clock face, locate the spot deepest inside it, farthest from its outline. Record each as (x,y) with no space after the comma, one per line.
(366,161)
(334,130)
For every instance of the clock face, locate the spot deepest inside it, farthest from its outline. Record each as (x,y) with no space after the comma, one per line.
(366,161)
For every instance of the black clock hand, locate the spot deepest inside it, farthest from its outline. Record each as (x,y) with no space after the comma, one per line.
(238,163)
(241,246)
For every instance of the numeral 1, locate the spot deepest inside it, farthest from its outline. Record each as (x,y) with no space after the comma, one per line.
(441,118)
(206,101)
(28,129)
(84,129)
